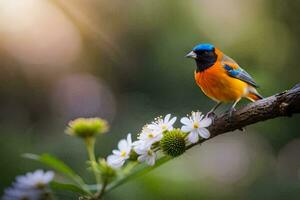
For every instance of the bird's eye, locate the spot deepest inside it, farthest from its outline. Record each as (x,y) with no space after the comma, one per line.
(206,53)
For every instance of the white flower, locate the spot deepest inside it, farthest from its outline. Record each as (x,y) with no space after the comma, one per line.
(18,194)
(143,146)
(34,180)
(118,158)
(148,136)
(161,125)
(140,144)
(146,155)
(31,186)
(196,126)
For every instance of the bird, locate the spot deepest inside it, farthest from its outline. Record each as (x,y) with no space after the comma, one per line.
(221,78)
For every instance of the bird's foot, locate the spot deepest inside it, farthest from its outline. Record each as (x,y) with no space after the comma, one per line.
(212,115)
(230,112)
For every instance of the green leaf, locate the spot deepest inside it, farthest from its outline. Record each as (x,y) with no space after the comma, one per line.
(57,165)
(70,187)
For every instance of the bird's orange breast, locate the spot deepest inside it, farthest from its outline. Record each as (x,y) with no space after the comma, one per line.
(218,85)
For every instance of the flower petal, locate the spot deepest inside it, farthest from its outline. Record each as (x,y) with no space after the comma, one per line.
(186,121)
(48,176)
(193,137)
(167,117)
(196,116)
(158,137)
(152,126)
(186,128)
(137,143)
(142,158)
(200,117)
(172,121)
(205,122)
(203,132)
(129,141)
(139,150)
(116,152)
(122,145)
(115,161)
(151,160)
(112,158)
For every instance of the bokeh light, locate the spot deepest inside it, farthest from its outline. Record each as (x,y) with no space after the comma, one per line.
(83,95)
(231,159)
(288,165)
(38,35)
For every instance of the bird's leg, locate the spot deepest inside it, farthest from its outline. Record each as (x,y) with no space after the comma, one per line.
(211,113)
(232,109)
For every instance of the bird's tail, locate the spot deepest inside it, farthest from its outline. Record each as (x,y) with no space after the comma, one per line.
(253,95)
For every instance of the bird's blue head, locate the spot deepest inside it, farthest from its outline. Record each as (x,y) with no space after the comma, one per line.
(204,47)
(204,54)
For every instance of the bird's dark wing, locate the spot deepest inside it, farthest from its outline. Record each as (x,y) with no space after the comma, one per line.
(235,71)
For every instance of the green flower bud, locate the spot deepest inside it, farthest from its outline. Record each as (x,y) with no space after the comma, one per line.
(107,172)
(133,155)
(173,143)
(87,127)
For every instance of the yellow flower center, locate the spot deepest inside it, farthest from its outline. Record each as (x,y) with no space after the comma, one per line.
(196,125)
(150,135)
(123,153)
(40,185)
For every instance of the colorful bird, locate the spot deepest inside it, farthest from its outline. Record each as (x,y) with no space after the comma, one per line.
(221,78)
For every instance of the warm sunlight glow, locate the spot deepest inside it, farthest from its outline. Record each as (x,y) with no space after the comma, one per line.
(38,35)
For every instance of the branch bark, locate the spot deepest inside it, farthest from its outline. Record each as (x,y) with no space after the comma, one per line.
(283,104)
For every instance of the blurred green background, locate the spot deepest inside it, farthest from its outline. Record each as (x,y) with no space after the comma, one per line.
(124,61)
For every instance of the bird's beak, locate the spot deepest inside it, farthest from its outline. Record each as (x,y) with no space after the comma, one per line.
(192,54)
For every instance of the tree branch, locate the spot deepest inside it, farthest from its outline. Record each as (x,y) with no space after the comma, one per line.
(283,104)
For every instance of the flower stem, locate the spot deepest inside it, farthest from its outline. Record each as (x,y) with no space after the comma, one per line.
(90,146)
(102,191)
